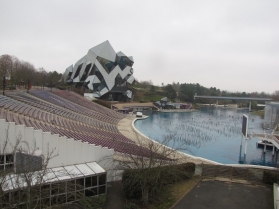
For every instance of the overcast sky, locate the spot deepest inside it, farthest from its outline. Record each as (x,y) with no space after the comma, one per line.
(231,45)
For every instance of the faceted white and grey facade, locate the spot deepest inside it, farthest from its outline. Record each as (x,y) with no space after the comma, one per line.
(100,70)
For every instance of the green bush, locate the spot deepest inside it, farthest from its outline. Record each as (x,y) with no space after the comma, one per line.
(93,202)
(62,87)
(270,177)
(131,205)
(155,178)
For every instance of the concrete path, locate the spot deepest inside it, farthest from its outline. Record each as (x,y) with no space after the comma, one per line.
(219,195)
(115,196)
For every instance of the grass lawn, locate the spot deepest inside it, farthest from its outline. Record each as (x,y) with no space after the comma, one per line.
(173,193)
(259,113)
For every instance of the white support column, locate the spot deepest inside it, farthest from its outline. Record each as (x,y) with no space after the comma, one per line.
(245,149)
(217,102)
(273,149)
(250,106)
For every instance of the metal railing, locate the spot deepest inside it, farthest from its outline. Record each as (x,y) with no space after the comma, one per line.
(232,173)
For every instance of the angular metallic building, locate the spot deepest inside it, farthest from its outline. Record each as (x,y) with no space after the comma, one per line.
(102,71)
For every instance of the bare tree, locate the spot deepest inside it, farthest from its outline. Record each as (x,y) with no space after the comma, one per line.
(23,173)
(6,65)
(153,164)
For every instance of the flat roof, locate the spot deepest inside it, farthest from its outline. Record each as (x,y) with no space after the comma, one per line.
(233,98)
(14,181)
(274,104)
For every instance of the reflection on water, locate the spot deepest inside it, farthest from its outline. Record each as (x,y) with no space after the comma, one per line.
(212,133)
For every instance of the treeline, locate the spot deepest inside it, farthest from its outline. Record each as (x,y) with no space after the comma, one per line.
(19,72)
(186,91)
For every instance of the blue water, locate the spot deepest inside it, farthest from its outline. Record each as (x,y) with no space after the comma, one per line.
(211,133)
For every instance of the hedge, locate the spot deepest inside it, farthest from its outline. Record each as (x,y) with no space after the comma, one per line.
(134,180)
(270,177)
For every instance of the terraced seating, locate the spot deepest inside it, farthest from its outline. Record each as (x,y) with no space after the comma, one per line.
(22,108)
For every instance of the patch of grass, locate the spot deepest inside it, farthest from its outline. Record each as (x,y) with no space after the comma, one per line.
(259,113)
(173,193)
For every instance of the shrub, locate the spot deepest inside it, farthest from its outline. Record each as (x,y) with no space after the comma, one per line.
(270,177)
(131,205)
(93,202)
(155,178)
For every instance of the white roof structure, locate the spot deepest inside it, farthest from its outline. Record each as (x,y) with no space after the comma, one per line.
(100,70)
(17,181)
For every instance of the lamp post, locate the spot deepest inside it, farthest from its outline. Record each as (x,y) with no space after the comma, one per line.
(4,84)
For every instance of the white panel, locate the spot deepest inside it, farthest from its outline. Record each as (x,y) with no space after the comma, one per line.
(131,58)
(20,131)
(98,153)
(88,155)
(77,152)
(125,72)
(95,167)
(46,140)
(62,148)
(70,151)
(76,66)
(121,54)
(61,173)
(66,73)
(3,137)
(11,139)
(29,139)
(85,62)
(53,147)
(38,139)
(104,50)
(131,79)
(91,152)
(91,56)
(73,171)
(49,176)
(84,151)
(85,169)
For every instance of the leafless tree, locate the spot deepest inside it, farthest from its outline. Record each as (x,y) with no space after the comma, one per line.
(165,156)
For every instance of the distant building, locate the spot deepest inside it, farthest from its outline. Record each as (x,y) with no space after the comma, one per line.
(271,114)
(164,104)
(102,72)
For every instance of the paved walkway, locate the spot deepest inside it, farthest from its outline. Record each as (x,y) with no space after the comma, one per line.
(115,196)
(219,195)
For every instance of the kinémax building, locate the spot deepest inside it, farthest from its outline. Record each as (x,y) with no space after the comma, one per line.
(103,73)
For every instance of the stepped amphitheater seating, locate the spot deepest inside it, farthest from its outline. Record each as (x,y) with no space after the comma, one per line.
(53,112)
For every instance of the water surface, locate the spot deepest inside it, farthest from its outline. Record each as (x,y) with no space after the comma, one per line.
(212,133)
